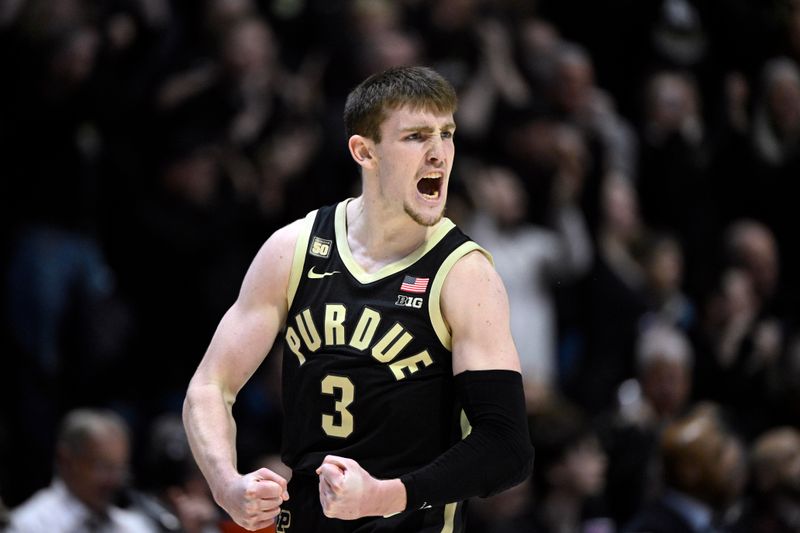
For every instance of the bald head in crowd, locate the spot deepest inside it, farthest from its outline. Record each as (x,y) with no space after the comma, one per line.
(664,359)
(92,456)
(92,462)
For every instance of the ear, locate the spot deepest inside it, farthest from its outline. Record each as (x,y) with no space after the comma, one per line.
(361,151)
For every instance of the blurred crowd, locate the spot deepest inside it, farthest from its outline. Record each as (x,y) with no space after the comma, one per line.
(632,166)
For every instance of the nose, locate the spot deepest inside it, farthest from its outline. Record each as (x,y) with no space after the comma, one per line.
(436,153)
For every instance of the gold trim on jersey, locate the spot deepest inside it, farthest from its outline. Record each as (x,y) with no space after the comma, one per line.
(434,305)
(466,427)
(451,509)
(299,259)
(449,517)
(364,277)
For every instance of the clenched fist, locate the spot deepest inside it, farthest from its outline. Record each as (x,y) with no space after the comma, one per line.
(347,491)
(255,499)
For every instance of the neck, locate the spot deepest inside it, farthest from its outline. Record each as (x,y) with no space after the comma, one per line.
(378,237)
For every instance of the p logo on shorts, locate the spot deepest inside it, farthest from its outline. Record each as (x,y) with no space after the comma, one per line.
(283,521)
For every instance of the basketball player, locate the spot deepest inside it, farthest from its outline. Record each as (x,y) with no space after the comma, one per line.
(401,384)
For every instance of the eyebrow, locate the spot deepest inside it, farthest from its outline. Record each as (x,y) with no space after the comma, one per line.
(448,126)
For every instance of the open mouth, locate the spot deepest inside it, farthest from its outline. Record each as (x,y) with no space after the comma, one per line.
(429,186)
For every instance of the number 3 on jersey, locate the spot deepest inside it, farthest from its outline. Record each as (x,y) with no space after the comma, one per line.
(342,389)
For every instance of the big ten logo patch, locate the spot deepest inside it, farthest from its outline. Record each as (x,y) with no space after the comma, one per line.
(321,247)
(283,521)
(409,301)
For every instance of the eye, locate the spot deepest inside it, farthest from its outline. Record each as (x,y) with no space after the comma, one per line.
(413,137)
(447,135)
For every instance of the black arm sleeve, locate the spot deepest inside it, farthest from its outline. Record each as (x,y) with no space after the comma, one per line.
(496,455)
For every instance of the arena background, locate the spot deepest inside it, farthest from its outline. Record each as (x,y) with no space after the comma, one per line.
(148,148)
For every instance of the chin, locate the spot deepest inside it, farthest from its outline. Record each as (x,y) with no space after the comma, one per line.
(424,219)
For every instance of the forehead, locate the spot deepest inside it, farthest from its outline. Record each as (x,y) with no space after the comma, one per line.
(405,117)
(106,444)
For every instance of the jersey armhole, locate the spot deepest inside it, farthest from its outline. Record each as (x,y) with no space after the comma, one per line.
(299,259)
(440,326)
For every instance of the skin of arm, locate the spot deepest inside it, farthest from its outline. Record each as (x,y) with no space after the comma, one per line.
(239,345)
(481,337)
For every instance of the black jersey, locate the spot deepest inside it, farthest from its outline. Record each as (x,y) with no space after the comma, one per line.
(367,366)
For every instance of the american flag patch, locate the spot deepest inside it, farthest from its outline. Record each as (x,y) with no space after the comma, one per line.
(412,284)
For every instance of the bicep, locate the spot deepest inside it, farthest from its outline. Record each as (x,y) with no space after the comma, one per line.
(475,305)
(248,329)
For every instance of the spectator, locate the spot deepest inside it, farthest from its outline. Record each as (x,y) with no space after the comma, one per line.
(741,343)
(539,42)
(673,184)
(195,226)
(752,247)
(663,266)
(775,467)
(570,477)
(564,493)
(776,141)
(531,260)
(67,327)
(577,99)
(497,89)
(704,474)
(630,434)
(174,495)
(616,301)
(678,35)
(664,363)
(92,460)
(777,115)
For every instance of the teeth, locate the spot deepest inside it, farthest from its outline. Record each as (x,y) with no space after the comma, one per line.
(430,191)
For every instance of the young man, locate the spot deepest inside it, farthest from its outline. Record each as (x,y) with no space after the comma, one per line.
(401,385)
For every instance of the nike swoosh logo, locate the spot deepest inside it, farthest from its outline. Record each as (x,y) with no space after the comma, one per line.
(315,275)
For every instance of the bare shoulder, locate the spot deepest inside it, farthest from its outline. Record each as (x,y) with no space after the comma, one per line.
(473,278)
(475,306)
(280,245)
(268,275)
(251,324)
